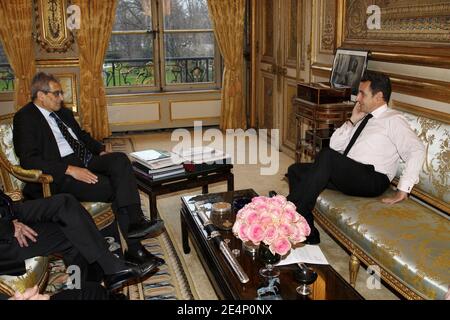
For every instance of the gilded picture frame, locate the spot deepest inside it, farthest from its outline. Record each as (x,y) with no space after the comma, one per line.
(68,83)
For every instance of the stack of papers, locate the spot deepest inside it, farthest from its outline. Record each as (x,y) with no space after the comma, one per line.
(304,254)
(199,155)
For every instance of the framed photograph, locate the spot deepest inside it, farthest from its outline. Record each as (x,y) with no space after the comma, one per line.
(69,86)
(348,68)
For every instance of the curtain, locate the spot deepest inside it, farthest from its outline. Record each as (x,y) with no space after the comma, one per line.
(228,21)
(16,36)
(97,20)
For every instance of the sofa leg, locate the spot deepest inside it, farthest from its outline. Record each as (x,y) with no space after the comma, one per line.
(354,268)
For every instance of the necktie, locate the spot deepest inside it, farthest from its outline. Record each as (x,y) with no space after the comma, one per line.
(78,147)
(357,133)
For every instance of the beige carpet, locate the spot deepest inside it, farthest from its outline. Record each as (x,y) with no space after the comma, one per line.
(246,176)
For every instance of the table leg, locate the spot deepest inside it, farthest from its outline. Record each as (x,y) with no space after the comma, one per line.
(230,182)
(184,235)
(205,189)
(153,208)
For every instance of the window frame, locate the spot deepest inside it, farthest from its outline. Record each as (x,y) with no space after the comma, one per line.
(159,58)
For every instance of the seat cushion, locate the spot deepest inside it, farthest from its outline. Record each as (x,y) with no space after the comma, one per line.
(408,239)
(36,274)
(101,213)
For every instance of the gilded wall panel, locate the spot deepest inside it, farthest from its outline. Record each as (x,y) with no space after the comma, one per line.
(411,21)
(418,29)
(292,33)
(268,31)
(52,33)
(268,87)
(327,26)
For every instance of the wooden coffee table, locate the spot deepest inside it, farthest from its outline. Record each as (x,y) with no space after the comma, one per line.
(202,176)
(329,285)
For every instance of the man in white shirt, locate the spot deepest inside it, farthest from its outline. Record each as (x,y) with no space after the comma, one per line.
(364,154)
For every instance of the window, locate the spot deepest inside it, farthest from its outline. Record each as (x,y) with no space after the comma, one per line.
(6,73)
(162,44)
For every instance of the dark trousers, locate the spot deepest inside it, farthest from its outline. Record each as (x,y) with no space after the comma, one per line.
(116,184)
(335,171)
(64,227)
(63,223)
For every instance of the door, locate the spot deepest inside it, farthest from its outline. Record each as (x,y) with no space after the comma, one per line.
(282,62)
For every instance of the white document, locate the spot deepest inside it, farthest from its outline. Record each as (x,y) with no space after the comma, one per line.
(304,254)
(150,155)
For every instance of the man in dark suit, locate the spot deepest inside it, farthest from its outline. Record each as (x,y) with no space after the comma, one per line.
(59,224)
(47,137)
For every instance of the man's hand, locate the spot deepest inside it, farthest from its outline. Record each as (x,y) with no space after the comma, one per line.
(398,197)
(30,294)
(22,232)
(103,153)
(82,174)
(357,114)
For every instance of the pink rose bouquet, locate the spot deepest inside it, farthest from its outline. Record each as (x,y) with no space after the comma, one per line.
(273,221)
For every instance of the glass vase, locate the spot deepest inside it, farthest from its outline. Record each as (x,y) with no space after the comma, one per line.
(269,259)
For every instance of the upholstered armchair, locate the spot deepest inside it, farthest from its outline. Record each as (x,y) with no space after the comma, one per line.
(13,178)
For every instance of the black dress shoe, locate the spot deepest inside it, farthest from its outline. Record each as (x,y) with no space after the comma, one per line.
(131,272)
(144,228)
(142,256)
(313,238)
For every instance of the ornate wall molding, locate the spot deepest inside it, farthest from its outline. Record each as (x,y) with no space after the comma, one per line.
(327,30)
(418,87)
(51,30)
(421,25)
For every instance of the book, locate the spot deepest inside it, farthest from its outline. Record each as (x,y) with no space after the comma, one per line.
(150,155)
(160,175)
(154,171)
(158,163)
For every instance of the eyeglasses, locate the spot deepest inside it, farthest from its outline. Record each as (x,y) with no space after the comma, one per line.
(56,93)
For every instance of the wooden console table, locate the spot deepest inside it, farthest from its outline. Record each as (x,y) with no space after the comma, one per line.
(315,123)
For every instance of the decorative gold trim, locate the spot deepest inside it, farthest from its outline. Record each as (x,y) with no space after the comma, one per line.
(58,63)
(322,24)
(425,53)
(121,124)
(354,249)
(52,33)
(165,93)
(289,62)
(340,13)
(290,82)
(301,58)
(419,87)
(255,49)
(265,58)
(420,111)
(435,202)
(131,103)
(196,100)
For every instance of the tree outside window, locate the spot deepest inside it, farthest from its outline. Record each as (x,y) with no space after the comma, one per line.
(6,73)
(162,44)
